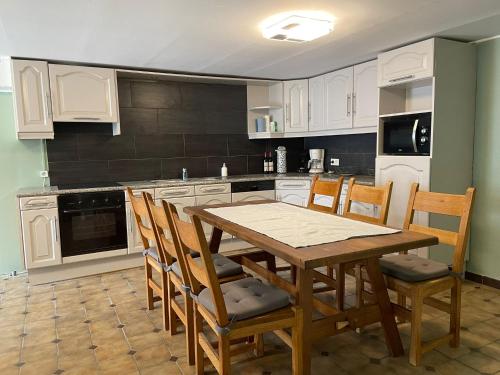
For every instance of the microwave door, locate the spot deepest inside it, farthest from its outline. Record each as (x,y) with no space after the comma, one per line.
(414,136)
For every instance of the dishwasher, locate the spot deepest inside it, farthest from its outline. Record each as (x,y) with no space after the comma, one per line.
(246,191)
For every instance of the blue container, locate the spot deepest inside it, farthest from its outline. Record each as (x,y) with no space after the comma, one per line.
(260,124)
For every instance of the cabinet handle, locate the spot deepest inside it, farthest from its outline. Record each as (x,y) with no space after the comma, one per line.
(286,113)
(309,111)
(410,76)
(41,204)
(48,104)
(348,105)
(174,192)
(292,185)
(353,103)
(87,118)
(213,190)
(129,221)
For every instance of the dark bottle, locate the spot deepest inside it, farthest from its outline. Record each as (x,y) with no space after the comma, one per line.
(266,163)
(271,162)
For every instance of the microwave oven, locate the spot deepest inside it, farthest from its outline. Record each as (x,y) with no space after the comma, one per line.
(407,134)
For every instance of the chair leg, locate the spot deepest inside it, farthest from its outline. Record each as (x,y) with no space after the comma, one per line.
(271,263)
(360,286)
(199,355)
(190,334)
(165,301)
(259,344)
(340,285)
(224,356)
(456,297)
(149,291)
(417,303)
(297,366)
(172,315)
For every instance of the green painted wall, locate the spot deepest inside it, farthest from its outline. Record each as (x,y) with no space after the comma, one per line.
(20,163)
(485,234)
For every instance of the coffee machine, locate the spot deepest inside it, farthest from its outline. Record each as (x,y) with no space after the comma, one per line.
(317,160)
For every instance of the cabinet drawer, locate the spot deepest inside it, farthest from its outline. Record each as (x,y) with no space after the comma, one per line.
(293,184)
(36,203)
(138,193)
(253,196)
(406,64)
(174,192)
(212,189)
(295,197)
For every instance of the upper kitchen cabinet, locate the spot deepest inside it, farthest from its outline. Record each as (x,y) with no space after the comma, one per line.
(317,103)
(31,93)
(265,99)
(296,106)
(83,94)
(365,95)
(409,63)
(338,99)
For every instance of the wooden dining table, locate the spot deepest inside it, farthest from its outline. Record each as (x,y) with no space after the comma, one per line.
(361,250)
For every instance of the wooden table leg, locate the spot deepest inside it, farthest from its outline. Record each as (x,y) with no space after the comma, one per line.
(388,320)
(304,285)
(215,240)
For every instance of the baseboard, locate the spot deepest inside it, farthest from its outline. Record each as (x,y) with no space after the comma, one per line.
(480,279)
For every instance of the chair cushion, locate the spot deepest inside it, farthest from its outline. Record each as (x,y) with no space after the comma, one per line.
(409,267)
(153,253)
(224,267)
(247,298)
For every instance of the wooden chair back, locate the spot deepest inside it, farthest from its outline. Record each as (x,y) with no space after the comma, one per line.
(328,188)
(140,211)
(202,274)
(443,204)
(162,223)
(377,195)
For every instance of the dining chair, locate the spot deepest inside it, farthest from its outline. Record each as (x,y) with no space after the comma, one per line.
(234,310)
(154,257)
(176,268)
(421,279)
(380,197)
(330,192)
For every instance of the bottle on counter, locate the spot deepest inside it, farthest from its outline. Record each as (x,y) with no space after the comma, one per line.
(223,170)
(266,163)
(184,174)
(270,163)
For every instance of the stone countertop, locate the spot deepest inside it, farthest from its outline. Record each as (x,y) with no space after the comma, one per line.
(152,184)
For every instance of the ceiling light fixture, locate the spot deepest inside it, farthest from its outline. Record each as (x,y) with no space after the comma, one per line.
(297,26)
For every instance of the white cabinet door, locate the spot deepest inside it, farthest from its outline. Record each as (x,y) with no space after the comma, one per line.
(403,171)
(365,95)
(41,240)
(406,64)
(296,197)
(338,99)
(134,240)
(179,204)
(84,94)
(296,106)
(32,99)
(213,199)
(317,103)
(253,196)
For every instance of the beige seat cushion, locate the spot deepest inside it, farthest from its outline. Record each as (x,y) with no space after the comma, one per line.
(224,266)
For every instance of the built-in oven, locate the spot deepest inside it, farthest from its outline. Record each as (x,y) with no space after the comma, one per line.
(92,222)
(407,134)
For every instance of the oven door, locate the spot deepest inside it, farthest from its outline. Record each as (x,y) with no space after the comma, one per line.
(91,230)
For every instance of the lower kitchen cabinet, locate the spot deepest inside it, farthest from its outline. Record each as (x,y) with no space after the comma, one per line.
(249,196)
(41,239)
(179,204)
(296,197)
(135,244)
(213,199)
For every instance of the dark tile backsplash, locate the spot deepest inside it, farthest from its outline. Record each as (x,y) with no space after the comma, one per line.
(355,151)
(167,126)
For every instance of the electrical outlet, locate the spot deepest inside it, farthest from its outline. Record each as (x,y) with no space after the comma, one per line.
(334,162)
(44,174)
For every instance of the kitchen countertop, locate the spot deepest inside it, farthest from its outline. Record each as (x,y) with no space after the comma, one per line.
(151,184)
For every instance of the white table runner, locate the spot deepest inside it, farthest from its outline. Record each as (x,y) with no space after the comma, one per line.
(296,226)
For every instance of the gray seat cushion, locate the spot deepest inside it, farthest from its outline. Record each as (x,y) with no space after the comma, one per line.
(409,267)
(247,298)
(152,252)
(224,267)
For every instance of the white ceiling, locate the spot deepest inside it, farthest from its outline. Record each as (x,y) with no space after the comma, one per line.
(222,36)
